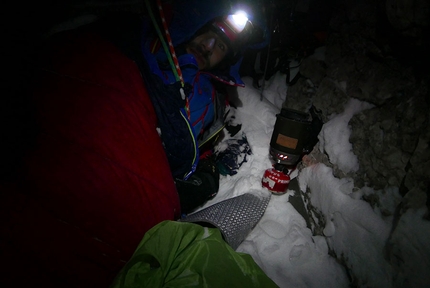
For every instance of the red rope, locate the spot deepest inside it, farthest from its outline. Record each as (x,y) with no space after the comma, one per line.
(173,53)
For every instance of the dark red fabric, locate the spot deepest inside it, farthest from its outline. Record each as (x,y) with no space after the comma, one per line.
(97,178)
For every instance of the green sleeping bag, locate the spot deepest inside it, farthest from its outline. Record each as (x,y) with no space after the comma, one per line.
(181,254)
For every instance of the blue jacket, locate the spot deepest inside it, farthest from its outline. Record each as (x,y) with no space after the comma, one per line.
(206,118)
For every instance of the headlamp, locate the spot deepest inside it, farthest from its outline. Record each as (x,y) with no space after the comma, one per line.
(232,25)
(238,20)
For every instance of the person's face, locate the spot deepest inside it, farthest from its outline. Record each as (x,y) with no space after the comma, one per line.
(208,50)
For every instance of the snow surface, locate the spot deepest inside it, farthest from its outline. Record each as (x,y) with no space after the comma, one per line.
(282,244)
(356,233)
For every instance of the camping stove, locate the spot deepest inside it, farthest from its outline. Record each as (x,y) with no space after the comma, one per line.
(287,146)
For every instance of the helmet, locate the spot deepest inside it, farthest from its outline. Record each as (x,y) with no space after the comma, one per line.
(235,30)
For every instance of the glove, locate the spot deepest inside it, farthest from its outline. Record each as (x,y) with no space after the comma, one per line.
(233,154)
(200,187)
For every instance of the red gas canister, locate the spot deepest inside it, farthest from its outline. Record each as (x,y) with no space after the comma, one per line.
(275,179)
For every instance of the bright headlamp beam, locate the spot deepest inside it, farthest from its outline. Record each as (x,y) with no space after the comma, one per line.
(238,20)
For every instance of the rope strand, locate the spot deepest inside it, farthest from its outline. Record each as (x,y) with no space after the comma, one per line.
(169,40)
(170,51)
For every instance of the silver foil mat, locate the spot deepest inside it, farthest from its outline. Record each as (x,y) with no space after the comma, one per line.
(235,217)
